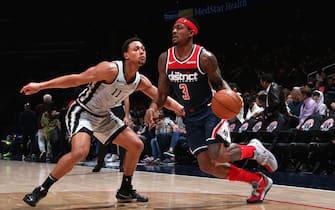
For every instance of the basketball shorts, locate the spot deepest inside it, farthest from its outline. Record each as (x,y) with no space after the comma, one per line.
(104,128)
(208,130)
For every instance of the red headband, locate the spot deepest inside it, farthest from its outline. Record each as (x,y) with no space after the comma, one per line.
(189,24)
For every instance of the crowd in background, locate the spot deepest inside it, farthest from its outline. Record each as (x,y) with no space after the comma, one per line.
(292,51)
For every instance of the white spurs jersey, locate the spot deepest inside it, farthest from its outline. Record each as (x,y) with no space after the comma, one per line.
(99,97)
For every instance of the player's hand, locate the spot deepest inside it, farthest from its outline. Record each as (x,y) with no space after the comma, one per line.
(126,120)
(30,88)
(150,118)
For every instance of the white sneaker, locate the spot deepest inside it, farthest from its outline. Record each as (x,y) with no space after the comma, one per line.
(263,156)
(113,158)
(148,159)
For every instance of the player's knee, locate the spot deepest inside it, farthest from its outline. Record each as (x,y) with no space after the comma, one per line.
(79,154)
(217,153)
(137,146)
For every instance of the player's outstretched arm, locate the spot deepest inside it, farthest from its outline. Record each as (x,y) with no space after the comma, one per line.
(97,73)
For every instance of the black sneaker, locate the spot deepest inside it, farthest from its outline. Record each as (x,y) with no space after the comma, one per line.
(97,168)
(127,195)
(43,157)
(37,194)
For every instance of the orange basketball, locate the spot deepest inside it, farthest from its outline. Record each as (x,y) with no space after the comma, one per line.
(226,104)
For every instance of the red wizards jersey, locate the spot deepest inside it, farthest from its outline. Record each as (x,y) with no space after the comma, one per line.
(189,83)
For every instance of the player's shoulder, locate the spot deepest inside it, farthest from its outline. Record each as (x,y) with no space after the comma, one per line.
(206,53)
(163,54)
(109,64)
(206,56)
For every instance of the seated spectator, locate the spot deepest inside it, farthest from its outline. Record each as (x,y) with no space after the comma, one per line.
(144,134)
(163,128)
(319,99)
(293,107)
(261,99)
(178,135)
(253,110)
(309,107)
(329,94)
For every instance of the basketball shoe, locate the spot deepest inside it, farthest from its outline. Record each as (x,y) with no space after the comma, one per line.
(127,194)
(263,156)
(37,194)
(260,189)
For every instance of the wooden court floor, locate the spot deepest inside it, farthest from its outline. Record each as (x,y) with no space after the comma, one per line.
(82,189)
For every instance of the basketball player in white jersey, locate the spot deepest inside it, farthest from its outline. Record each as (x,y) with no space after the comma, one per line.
(108,84)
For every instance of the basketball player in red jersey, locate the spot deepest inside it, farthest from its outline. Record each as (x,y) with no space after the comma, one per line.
(193,73)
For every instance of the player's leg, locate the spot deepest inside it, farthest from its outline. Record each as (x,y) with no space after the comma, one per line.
(260,183)
(203,144)
(129,140)
(254,149)
(80,146)
(102,150)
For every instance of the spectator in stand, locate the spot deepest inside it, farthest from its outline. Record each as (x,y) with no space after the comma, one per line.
(275,101)
(46,106)
(261,99)
(293,107)
(28,127)
(329,94)
(309,107)
(319,99)
(253,110)
(163,131)
(52,129)
(178,135)
(320,79)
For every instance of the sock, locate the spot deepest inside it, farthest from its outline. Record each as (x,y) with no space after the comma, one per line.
(126,181)
(48,182)
(239,174)
(246,151)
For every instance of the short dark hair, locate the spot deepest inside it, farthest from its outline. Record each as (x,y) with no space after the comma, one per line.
(126,43)
(265,76)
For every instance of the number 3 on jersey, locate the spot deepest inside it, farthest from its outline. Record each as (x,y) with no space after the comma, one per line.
(184,90)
